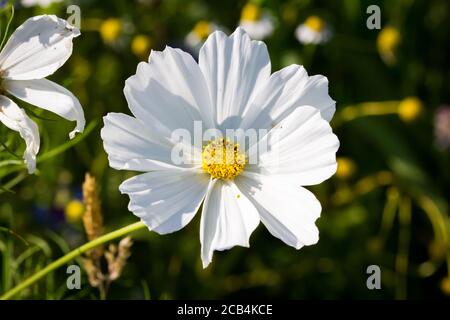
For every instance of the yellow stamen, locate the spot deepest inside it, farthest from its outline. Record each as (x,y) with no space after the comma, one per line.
(223,159)
(202,29)
(315,23)
(251,12)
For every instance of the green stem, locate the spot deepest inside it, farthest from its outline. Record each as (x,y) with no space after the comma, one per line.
(7,26)
(71,255)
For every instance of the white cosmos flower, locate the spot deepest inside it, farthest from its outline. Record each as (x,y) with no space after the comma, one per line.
(256,22)
(197,36)
(259,29)
(230,88)
(40,3)
(34,51)
(313,31)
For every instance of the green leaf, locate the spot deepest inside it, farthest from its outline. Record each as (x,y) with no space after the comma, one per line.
(9,150)
(11,232)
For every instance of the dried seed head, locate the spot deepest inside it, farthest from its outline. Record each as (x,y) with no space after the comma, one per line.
(117,257)
(92,218)
(95,275)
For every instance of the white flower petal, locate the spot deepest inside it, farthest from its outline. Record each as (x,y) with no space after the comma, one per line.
(286,90)
(131,145)
(288,212)
(228,219)
(37,48)
(166,201)
(50,96)
(15,119)
(301,149)
(234,68)
(169,92)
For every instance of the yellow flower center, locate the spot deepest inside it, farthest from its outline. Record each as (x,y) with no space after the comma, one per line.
(250,12)
(110,29)
(315,23)
(223,159)
(202,29)
(409,108)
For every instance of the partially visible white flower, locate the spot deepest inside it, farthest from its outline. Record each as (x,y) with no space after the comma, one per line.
(256,22)
(313,31)
(40,3)
(442,127)
(231,88)
(34,51)
(16,119)
(197,36)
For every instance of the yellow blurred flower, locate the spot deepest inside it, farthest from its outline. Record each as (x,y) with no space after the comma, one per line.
(202,29)
(74,211)
(445,286)
(409,109)
(258,23)
(387,42)
(197,36)
(110,29)
(251,12)
(313,31)
(346,168)
(315,23)
(141,45)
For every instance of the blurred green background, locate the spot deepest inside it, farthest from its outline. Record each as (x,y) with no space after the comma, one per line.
(387,205)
